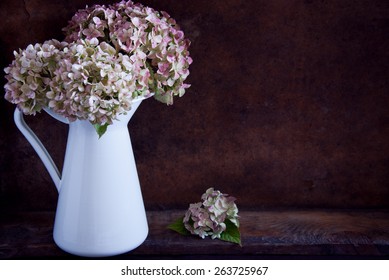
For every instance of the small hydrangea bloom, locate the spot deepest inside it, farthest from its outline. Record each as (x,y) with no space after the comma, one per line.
(208,218)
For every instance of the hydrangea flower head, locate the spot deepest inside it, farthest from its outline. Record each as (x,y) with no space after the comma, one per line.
(208,218)
(30,74)
(147,36)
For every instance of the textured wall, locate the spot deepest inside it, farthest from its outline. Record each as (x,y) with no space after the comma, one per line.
(288,106)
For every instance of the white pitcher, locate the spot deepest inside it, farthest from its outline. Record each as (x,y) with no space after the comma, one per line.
(100,209)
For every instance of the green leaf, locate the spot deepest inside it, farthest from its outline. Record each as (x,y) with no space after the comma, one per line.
(231,234)
(101,129)
(179,227)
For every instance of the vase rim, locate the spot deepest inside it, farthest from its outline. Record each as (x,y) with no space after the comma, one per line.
(140,98)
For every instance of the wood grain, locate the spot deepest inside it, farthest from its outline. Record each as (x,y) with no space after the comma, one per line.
(265,234)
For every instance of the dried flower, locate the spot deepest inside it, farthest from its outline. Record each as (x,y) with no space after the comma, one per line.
(80,80)
(92,82)
(30,74)
(150,38)
(111,56)
(208,218)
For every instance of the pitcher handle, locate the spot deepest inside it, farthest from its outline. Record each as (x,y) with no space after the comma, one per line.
(38,147)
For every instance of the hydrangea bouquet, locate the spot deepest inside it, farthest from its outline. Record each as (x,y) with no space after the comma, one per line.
(216,216)
(110,56)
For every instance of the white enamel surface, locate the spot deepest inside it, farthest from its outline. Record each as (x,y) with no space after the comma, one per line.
(100,209)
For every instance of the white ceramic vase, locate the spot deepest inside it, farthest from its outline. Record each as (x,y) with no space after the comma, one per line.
(100,210)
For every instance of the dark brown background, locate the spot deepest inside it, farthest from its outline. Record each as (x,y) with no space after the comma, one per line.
(288,107)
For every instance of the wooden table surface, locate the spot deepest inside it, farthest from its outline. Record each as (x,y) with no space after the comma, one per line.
(273,234)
